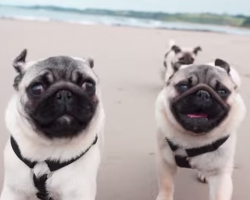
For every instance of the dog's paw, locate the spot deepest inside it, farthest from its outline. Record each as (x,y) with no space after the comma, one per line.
(201,178)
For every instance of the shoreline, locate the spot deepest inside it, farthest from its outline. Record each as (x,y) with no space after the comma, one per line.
(138,14)
(44,19)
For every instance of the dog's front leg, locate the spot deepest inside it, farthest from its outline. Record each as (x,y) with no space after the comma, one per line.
(166,174)
(221,186)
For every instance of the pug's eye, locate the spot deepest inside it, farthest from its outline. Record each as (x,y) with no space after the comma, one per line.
(183,87)
(36,89)
(222,92)
(89,87)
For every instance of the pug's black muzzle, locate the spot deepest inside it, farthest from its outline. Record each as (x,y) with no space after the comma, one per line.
(186,60)
(200,109)
(63,112)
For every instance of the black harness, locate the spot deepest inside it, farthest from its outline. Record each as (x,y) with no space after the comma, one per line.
(40,182)
(183,161)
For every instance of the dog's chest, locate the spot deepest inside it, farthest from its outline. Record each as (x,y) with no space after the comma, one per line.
(201,158)
(202,162)
(67,180)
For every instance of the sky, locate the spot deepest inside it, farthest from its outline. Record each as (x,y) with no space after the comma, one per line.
(214,6)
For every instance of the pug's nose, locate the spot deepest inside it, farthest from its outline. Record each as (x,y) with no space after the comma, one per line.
(64,96)
(203,95)
(189,60)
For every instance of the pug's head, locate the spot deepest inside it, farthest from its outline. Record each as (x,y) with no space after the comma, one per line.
(185,56)
(201,97)
(58,96)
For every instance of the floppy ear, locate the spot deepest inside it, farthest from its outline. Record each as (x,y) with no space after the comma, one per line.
(197,49)
(223,64)
(176,49)
(91,62)
(19,62)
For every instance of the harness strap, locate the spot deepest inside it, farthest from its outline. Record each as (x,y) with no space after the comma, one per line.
(183,161)
(40,182)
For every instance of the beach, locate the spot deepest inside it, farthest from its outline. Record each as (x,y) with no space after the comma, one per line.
(127,61)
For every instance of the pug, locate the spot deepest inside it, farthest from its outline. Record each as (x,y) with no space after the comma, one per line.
(198,113)
(175,53)
(56,121)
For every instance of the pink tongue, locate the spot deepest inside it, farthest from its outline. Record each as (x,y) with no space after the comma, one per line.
(197,115)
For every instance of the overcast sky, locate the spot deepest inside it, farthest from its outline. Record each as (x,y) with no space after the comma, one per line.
(215,6)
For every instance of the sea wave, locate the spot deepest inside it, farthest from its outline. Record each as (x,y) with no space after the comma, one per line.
(102,17)
(45,7)
(27,18)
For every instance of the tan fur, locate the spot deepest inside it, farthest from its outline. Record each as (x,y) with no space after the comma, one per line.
(72,182)
(216,167)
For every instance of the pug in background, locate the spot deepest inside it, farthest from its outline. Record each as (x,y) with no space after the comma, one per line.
(56,121)
(198,113)
(177,54)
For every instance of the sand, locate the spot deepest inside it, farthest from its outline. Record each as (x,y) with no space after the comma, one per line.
(127,61)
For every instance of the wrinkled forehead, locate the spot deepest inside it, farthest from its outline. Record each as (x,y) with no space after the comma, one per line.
(204,74)
(59,68)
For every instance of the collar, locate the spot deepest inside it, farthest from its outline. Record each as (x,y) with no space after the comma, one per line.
(183,161)
(52,164)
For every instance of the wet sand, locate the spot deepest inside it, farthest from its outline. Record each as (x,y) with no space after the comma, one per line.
(127,61)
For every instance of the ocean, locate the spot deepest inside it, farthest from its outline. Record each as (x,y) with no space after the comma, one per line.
(47,13)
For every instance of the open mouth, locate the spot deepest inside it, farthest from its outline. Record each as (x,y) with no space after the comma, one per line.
(204,116)
(199,114)
(194,120)
(201,123)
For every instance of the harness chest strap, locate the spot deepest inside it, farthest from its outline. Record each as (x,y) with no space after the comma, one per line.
(40,182)
(183,161)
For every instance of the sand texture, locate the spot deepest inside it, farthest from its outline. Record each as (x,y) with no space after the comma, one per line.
(127,60)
